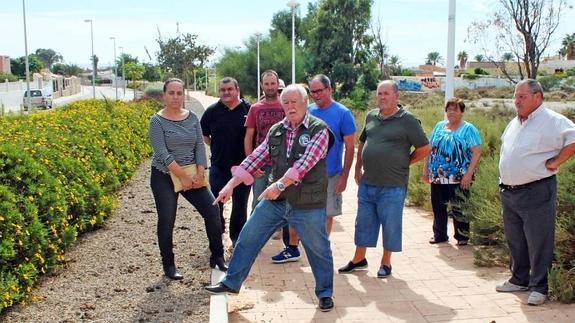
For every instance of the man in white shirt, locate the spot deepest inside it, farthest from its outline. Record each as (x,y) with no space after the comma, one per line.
(533,146)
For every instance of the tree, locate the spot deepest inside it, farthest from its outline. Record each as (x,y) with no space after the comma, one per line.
(275,53)
(393,65)
(506,57)
(48,57)
(462,57)
(568,47)
(379,50)
(521,27)
(66,69)
(152,73)
(134,71)
(479,58)
(180,55)
(433,58)
(125,58)
(95,61)
(339,41)
(18,65)
(281,23)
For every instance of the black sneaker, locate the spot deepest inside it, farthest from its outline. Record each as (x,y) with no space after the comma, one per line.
(350,267)
(325,304)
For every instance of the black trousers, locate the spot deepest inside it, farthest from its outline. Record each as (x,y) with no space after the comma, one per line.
(166,206)
(219,177)
(446,199)
(529,224)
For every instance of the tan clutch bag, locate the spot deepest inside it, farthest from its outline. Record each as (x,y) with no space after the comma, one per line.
(190,170)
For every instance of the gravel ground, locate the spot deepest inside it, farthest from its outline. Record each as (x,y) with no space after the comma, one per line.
(115,274)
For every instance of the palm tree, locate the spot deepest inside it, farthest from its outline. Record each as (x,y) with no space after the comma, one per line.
(479,58)
(568,46)
(462,57)
(433,58)
(394,65)
(507,57)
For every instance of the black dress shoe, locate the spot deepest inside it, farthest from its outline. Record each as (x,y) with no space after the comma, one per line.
(171,273)
(325,304)
(218,261)
(220,288)
(351,267)
(436,241)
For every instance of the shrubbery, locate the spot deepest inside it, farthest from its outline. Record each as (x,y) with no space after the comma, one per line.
(58,175)
(549,82)
(7,77)
(484,206)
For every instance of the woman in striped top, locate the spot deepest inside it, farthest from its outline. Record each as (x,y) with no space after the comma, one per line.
(176,139)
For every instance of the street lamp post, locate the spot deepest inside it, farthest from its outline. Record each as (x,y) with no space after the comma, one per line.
(293,4)
(27,64)
(93,58)
(258,36)
(123,70)
(115,68)
(449,77)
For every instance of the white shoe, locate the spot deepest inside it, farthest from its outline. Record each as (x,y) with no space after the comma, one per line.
(536,298)
(507,287)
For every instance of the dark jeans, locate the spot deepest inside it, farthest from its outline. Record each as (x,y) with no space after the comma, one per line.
(219,177)
(442,197)
(529,225)
(166,206)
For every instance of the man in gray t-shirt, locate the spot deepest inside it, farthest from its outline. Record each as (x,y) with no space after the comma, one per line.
(382,172)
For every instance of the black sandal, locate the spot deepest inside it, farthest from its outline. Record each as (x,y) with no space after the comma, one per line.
(433,241)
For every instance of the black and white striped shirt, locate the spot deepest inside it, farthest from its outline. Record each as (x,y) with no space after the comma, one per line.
(179,141)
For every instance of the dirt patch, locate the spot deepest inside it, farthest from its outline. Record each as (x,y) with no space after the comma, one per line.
(115,275)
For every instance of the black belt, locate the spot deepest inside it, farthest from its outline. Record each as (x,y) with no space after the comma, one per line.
(522,186)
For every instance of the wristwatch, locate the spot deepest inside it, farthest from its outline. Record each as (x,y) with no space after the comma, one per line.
(280,186)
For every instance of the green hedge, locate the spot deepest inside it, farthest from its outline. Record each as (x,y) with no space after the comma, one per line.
(59,172)
(484,206)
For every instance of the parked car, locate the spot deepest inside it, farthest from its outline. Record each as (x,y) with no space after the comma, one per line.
(38,98)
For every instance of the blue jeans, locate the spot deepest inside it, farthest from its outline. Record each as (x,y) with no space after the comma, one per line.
(379,206)
(260,184)
(265,220)
(219,177)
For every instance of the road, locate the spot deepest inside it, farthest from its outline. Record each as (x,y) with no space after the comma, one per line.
(13,99)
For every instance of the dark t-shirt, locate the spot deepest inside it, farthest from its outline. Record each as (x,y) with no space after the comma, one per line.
(387,147)
(226,129)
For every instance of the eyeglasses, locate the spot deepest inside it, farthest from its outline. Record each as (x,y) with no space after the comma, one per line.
(318,90)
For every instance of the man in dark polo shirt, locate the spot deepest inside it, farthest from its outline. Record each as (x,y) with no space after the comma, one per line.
(382,172)
(223,129)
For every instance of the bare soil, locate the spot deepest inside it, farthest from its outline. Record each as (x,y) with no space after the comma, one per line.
(114,274)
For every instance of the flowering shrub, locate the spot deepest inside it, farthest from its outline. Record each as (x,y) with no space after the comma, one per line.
(59,172)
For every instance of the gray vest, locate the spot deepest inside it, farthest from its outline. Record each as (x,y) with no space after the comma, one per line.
(311,193)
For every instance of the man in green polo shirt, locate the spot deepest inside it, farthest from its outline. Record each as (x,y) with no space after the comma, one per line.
(382,172)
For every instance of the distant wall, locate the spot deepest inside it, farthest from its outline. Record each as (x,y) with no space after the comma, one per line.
(5,64)
(437,83)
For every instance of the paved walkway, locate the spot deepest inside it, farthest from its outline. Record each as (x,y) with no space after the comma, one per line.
(430,283)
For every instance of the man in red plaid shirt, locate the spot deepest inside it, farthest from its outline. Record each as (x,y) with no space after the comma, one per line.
(297,147)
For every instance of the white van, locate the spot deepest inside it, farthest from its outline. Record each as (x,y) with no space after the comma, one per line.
(38,98)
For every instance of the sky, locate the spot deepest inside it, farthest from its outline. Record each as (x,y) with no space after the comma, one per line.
(411,28)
